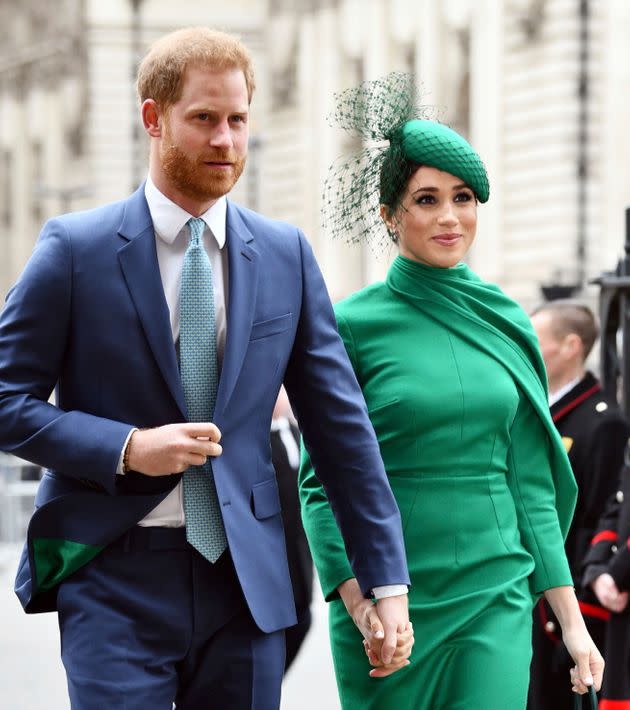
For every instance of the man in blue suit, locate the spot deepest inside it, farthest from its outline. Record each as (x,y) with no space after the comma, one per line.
(162,549)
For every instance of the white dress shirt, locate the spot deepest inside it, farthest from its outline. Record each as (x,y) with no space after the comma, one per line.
(171,242)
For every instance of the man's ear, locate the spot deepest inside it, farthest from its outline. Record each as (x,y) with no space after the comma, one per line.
(573,345)
(152,118)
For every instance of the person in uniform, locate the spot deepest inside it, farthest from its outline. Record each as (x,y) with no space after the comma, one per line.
(594,432)
(607,573)
(285,456)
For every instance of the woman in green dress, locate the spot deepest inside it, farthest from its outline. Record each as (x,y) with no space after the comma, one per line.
(455,388)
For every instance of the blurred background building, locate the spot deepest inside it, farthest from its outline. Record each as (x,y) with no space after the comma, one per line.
(540,88)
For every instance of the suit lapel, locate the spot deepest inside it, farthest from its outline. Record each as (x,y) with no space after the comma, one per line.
(138,260)
(243,282)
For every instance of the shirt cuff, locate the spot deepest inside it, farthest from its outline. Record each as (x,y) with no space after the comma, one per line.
(120,471)
(390,590)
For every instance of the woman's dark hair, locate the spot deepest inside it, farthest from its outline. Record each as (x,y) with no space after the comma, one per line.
(396,170)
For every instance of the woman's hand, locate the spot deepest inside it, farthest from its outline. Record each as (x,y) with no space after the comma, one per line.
(589,664)
(364,613)
(609,595)
(400,659)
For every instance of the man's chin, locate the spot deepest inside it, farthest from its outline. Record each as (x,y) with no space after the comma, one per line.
(218,188)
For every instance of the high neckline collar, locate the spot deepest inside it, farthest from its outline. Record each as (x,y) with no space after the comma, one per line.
(405,273)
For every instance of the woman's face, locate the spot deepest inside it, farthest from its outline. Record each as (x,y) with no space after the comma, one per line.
(436,220)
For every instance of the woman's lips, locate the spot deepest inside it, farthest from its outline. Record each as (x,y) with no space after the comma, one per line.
(447,240)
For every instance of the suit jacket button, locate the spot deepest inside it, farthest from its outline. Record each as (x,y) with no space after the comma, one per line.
(550,627)
(601,406)
(619,496)
(613,548)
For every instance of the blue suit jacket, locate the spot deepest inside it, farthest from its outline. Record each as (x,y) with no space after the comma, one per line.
(88,317)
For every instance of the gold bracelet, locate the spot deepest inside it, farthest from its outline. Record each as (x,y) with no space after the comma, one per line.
(125,461)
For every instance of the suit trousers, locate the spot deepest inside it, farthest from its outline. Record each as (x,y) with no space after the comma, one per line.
(149,622)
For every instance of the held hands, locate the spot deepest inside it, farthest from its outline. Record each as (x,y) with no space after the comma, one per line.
(385,626)
(609,595)
(172,448)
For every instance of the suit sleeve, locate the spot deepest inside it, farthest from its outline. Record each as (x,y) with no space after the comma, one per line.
(326,543)
(531,483)
(340,439)
(35,327)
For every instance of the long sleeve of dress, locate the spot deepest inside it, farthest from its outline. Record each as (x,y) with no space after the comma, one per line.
(325,540)
(531,483)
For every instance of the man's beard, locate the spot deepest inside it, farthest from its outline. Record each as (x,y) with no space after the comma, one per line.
(194,178)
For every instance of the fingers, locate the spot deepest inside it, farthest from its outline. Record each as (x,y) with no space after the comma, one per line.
(581,677)
(202,430)
(204,448)
(389,645)
(387,670)
(374,624)
(394,614)
(400,658)
(577,682)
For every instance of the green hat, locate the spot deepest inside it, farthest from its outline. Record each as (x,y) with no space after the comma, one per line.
(438,146)
(395,133)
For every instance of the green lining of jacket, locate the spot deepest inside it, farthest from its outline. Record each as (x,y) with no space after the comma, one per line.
(56,558)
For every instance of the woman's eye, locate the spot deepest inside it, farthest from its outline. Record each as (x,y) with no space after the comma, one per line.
(463,196)
(425,200)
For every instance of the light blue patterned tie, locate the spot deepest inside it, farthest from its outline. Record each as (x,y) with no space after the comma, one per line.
(198,364)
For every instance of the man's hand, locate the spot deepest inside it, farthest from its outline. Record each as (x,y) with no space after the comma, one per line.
(393,613)
(172,448)
(400,659)
(608,593)
(385,627)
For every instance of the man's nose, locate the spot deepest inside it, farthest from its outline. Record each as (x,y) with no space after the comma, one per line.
(221,136)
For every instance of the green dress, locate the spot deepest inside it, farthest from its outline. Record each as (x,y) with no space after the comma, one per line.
(455,389)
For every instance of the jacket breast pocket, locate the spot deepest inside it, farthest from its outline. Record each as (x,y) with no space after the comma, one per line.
(265,499)
(272,326)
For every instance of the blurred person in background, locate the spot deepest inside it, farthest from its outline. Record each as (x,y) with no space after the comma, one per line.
(594,432)
(285,456)
(607,573)
(455,386)
(167,323)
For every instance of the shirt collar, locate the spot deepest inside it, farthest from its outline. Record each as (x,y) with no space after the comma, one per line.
(565,389)
(169,219)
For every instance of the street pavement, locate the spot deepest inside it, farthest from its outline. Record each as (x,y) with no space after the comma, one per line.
(32,676)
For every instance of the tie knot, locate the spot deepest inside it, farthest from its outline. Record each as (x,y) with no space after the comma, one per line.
(196,226)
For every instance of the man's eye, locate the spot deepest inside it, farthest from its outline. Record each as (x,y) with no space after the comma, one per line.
(203,116)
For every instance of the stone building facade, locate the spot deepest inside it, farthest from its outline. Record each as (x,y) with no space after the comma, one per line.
(540,88)
(70,132)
